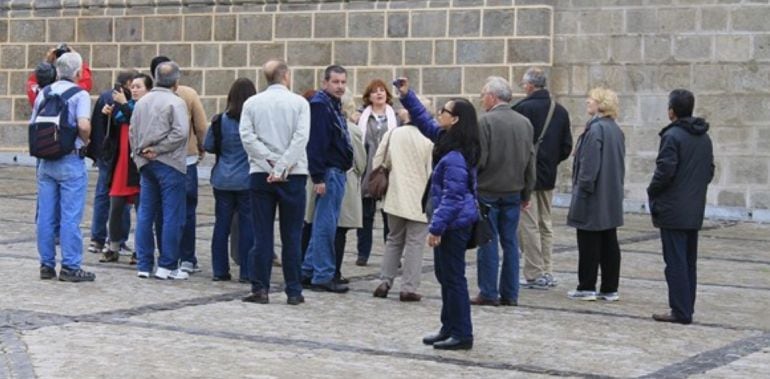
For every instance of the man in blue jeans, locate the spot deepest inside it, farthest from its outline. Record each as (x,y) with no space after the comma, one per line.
(274,129)
(330,156)
(158,135)
(62,183)
(506,177)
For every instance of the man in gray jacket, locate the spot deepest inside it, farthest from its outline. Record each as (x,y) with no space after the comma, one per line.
(506,177)
(158,135)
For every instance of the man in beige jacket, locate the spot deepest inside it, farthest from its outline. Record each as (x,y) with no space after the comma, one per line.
(407,154)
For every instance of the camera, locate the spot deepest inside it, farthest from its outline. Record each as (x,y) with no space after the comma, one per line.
(61,49)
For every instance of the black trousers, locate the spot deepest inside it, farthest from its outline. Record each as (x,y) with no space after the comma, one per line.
(340,238)
(598,249)
(680,252)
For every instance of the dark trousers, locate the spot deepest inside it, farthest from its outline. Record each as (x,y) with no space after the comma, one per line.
(680,252)
(449,258)
(366,232)
(340,238)
(598,249)
(289,198)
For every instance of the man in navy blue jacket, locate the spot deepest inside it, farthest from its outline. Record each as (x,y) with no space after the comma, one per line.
(330,156)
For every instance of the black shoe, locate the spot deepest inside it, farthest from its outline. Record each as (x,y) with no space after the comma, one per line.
(259,297)
(452,343)
(295,300)
(307,283)
(75,276)
(433,338)
(330,286)
(109,256)
(666,317)
(361,262)
(47,272)
(341,280)
(382,290)
(222,278)
(509,302)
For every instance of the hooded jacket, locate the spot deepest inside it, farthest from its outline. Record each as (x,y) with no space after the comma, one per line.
(683,169)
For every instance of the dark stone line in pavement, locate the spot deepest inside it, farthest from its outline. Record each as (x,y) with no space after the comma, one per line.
(15,354)
(703,257)
(337,347)
(713,359)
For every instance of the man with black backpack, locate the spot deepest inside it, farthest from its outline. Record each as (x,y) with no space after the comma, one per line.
(59,130)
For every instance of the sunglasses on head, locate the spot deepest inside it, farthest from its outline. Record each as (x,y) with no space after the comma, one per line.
(444,110)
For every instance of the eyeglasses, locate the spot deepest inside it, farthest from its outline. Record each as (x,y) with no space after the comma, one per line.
(444,110)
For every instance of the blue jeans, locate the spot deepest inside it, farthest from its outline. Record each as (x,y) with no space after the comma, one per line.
(504,217)
(289,198)
(320,259)
(226,204)
(187,247)
(449,258)
(680,252)
(162,192)
(62,185)
(102,208)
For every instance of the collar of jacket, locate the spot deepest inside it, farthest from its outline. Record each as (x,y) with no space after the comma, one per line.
(540,94)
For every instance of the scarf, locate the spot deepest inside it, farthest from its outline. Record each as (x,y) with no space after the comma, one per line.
(363,122)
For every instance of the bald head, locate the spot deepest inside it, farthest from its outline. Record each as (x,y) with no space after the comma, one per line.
(276,72)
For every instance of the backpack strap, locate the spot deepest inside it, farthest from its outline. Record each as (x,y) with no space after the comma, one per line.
(71,92)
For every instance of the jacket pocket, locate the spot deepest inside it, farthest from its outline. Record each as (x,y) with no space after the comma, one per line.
(578,210)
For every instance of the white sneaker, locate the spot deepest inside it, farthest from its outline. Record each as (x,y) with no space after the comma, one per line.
(143,274)
(582,295)
(164,273)
(189,268)
(608,296)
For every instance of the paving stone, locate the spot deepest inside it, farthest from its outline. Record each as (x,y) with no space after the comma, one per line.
(361,25)
(163,29)
(255,27)
(464,23)
(429,24)
(308,53)
(95,29)
(128,29)
(293,25)
(328,25)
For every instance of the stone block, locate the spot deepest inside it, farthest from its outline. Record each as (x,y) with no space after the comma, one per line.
(181,53)
(465,23)
(533,22)
(750,18)
(672,76)
(654,109)
(36,53)
(747,170)
(415,78)
(734,48)
(235,55)
(106,56)
(480,51)
(3,83)
(17,81)
(206,55)
(6,110)
(351,53)
(365,75)
(713,19)
(329,25)
(197,28)
(760,200)
(762,47)
(693,48)
(748,78)
(293,25)
(579,84)
(429,24)
(128,29)
(640,169)
(475,77)
(21,109)
(13,56)
(643,140)
(526,51)
(719,109)
(753,108)
(398,25)
(192,78)
(608,76)
(218,82)
(255,27)
(676,20)
(102,79)
(95,29)
(467,3)
(163,29)
(728,139)
(366,24)
(224,28)
(763,140)
(303,80)
(386,53)
(407,4)
(498,22)
(558,81)
(565,22)
(657,48)
(137,55)
(418,52)
(211,105)
(581,49)
(442,81)
(3,30)
(259,53)
(60,29)
(604,22)
(626,48)
(642,20)
(27,30)
(444,51)
(302,53)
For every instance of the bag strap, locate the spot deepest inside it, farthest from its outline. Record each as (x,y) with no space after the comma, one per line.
(387,147)
(216,125)
(548,118)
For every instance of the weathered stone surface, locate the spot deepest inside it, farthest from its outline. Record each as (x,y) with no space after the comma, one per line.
(27,30)
(676,20)
(235,55)
(498,22)
(732,48)
(106,56)
(192,78)
(750,18)
(657,48)
(6,109)
(137,55)
(197,28)
(60,29)
(398,24)
(329,25)
(300,53)
(21,109)
(3,30)
(218,82)
(733,198)
(365,75)
(442,80)
(475,77)
(565,22)
(36,53)
(224,28)
(444,51)
(17,86)
(303,80)
(255,27)
(465,23)
(429,24)
(3,84)
(418,52)
(713,19)
(166,28)
(206,55)
(693,48)
(386,53)
(522,51)
(13,56)
(259,53)
(128,29)
(95,29)
(626,48)
(533,22)
(607,22)
(351,53)
(480,51)
(181,53)
(642,20)
(104,77)
(293,25)
(367,24)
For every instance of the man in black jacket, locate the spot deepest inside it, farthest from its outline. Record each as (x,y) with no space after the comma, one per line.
(555,145)
(677,193)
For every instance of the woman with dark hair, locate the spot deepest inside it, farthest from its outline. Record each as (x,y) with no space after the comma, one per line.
(451,208)
(230,181)
(123,176)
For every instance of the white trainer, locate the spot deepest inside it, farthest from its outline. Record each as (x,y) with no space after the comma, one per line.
(143,274)
(582,295)
(189,268)
(164,273)
(608,296)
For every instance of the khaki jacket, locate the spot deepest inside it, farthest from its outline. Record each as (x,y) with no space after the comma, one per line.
(197,117)
(409,161)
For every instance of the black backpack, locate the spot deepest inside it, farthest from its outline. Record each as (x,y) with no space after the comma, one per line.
(50,134)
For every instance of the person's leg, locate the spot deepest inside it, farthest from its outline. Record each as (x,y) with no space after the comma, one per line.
(369,208)
(172,192)
(508,222)
(307,229)
(187,246)
(245,235)
(413,248)
(101,208)
(149,207)
(73,188)
(224,207)
(530,238)
(692,263)
(125,226)
(264,200)
(438,263)
(457,300)
(291,207)
(115,227)
(545,226)
(675,255)
(340,239)
(385,225)
(321,248)
(394,248)
(589,244)
(610,261)
(487,257)
(47,198)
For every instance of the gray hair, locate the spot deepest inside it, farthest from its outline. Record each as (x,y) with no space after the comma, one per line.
(535,76)
(68,65)
(499,88)
(167,74)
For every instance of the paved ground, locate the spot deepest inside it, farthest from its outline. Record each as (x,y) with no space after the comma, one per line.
(123,327)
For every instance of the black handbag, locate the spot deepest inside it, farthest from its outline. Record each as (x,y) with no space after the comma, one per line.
(481,231)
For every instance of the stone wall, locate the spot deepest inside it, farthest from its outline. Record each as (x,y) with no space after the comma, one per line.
(641,48)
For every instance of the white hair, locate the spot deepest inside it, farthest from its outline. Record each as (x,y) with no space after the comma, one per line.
(68,65)
(499,88)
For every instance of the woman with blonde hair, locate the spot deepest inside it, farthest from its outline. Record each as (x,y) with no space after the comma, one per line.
(596,209)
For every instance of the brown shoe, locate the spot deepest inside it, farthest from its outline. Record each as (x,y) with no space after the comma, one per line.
(259,297)
(667,317)
(409,296)
(109,256)
(133,259)
(478,300)
(382,290)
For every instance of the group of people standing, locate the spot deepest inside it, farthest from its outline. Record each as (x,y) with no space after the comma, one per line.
(446,173)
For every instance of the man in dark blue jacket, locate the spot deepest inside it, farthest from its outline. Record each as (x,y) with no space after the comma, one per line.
(330,156)
(677,193)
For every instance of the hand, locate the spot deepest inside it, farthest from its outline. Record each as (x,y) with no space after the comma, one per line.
(404,88)
(434,240)
(319,189)
(149,153)
(50,56)
(525,205)
(107,109)
(119,97)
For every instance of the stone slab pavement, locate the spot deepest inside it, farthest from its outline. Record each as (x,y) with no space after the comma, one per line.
(124,327)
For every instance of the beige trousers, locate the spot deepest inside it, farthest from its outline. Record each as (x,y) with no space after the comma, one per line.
(536,235)
(406,238)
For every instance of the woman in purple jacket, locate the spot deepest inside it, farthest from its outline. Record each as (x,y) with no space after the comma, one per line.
(451,208)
